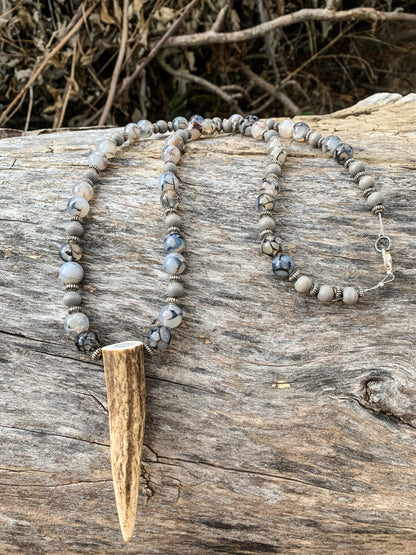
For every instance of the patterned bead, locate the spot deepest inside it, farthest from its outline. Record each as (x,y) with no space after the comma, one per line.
(174,242)
(278,154)
(133,133)
(245,125)
(299,131)
(97,160)
(171,154)
(170,199)
(107,147)
(208,127)
(265,201)
(180,123)
(170,316)
(158,337)
(87,342)
(258,129)
(196,118)
(283,265)
(146,127)
(177,141)
(83,189)
(273,143)
(270,246)
(195,130)
(70,253)
(168,181)
(71,272)
(343,152)
(174,263)
(78,206)
(330,143)
(76,323)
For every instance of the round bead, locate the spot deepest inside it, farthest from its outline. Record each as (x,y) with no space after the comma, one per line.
(76,323)
(71,272)
(91,174)
(69,253)
(274,168)
(175,289)
(195,130)
(117,137)
(78,206)
(146,127)
(267,222)
(350,295)
(177,141)
(97,160)
(265,201)
(107,147)
(278,154)
(170,199)
(270,186)
(173,220)
(270,246)
(236,119)
(283,265)
(303,284)
(180,123)
(83,189)
(170,167)
(158,337)
(273,143)
(174,263)
(366,182)
(168,181)
(87,342)
(374,199)
(300,131)
(343,152)
(72,298)
(314,138)
(174,242)
(183,134)
(258,129)
(74,228)
(227,126)
(208,127)
(330,143)
(270,123)
(162,125)
(326,293)
(355,168)
(170,315)
(285,128)
(171,154)
(270,134)
(196,118)
(133,133)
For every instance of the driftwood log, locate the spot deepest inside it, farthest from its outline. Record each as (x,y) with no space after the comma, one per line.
(275,423)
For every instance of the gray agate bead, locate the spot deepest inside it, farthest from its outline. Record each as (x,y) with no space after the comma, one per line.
(283,266)
(146,127)
(174,242)
(168,181)
(78,206)
(74,228)
(87,342)
(330,143)
(76,323)
(170,199)
(175,289)
(174,263)
(356,167)
(133,133)
(70,253)
(97,160)
(349,295)
(171,153)
(343,152)
(326,293)
(71,272)
(179,123)
(299,131)
(158,337)
(72,298)
(285,128)
(170,316)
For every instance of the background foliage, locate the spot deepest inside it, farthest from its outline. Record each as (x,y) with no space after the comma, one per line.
(307,67)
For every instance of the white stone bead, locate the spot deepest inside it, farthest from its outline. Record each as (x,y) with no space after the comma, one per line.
(83,189)
(326,293)
(303,284)
(350,295)
(107,147)
(285,128)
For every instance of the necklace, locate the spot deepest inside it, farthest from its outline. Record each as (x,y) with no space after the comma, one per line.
(124,362)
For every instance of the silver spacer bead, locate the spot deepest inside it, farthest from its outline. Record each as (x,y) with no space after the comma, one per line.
(219,126)
(321,140)
(89,181)
(125,137)
(294,275)
(170,128)
(276,126)
(175,278)
(314,290)
(171,211)
(173,229)
(155,128)
(308,134)
(369,191)
(360,292)
(359,175)
(73,309)
(171,300)
(338,292)
(377,209)
(97,354)
(265,213)
(113,141)
(235,127)
(148,350)
(72,239)
(76,219)
(71,287)
(348,162)
(94,168)
(274,175)
(266,233)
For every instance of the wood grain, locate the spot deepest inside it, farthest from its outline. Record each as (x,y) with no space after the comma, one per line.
(275,424)
(126,399)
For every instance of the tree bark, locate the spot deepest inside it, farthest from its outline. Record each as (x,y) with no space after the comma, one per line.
(275,423)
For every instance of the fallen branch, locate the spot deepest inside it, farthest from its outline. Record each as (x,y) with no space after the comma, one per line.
(309,14)
(272,90)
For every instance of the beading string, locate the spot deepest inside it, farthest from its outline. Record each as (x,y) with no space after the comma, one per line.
(180,132)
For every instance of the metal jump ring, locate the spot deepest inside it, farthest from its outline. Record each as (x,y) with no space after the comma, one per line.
(382,243)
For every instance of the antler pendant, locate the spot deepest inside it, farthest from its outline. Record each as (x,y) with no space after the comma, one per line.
(125,379)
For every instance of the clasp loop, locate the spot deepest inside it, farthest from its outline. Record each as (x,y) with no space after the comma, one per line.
(383,243)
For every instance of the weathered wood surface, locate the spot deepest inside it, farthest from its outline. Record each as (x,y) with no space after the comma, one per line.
(126,401)
(275,424)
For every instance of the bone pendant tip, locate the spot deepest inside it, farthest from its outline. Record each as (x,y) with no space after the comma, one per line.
(125,379)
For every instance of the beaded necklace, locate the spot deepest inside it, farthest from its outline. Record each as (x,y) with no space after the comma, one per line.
(170,316)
